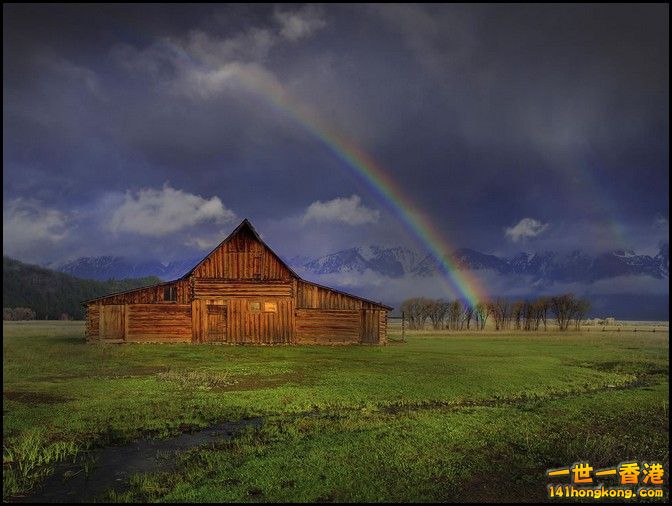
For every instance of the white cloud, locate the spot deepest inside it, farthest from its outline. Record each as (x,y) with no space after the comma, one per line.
(28,226)
(301,23)
(527,227)
(156,213)
(344,210)
(198,83)
(206,242)
(200,65)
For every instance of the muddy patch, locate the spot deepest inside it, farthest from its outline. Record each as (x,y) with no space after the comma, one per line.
(34,397)
(97,472)
(523,402)
(257,382)
(132,371)
(628,367)
(222,381)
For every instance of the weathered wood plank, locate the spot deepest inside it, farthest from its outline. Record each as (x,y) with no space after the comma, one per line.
(159,321)
(93,322)
(207,288)
(111,322)
(235,259)
(323,325)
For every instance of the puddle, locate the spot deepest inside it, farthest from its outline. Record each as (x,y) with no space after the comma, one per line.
(111,467)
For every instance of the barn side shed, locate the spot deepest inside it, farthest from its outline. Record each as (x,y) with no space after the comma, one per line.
(242,292)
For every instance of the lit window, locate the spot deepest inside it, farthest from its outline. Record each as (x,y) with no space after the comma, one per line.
(270,307)
(255,306)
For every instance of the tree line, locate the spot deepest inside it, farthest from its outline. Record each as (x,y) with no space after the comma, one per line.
(53,295)
(566,310)
(17,313)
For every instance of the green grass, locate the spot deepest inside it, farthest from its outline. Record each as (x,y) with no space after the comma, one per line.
(454,417)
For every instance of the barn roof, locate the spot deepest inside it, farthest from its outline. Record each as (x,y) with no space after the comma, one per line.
(245,224)
(389,308)
(129,291)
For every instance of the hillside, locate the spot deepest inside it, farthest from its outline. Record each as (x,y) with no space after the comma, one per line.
(50,293)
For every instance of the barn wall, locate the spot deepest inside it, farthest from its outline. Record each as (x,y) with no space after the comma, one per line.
(244,325)
(158,322)
(382,327)
(242,257)
(92,322)
(112,322)
(327,326)
(204,288)
(369,331)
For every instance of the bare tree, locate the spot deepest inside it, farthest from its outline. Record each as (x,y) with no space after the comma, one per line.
(437,310)
(529,316)
(416,312)
(481,313)
(500,309)
(563,307)
(543,306)
(454,312)
(517,312)
(581,308)
(493,310)
(18,313)
(468,314)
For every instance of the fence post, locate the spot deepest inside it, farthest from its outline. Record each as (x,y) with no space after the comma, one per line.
(403,340)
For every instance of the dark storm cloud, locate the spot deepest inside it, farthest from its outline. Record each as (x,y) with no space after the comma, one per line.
(485,115)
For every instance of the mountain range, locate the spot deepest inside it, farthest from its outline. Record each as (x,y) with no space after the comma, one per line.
(395,262)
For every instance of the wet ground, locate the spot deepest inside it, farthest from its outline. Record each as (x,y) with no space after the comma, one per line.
(100,470)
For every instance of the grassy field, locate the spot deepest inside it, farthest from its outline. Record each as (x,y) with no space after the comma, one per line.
(456,417)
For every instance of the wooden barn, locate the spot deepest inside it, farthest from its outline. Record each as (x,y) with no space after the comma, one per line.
(242,292)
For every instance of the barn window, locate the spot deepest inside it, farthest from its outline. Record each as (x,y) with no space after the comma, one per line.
(255,306)
(256,267)
(170,293)
(270,307)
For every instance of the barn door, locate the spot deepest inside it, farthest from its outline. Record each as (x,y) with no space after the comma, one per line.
(216,327)
(369,325)
(112,321)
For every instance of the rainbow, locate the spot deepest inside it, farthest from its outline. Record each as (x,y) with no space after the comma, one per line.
(460,284)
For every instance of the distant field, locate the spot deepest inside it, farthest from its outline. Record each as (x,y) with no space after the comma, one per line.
(441,417)
(394,324)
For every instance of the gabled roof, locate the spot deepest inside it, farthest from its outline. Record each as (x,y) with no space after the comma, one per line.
(245,224)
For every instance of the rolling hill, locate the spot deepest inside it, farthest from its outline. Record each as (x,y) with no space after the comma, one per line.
(51,294)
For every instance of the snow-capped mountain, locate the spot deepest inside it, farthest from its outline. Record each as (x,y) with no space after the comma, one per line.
(392,262)
(396,262)
(546,266)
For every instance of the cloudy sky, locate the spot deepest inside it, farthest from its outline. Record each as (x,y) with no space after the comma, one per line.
(145,130)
